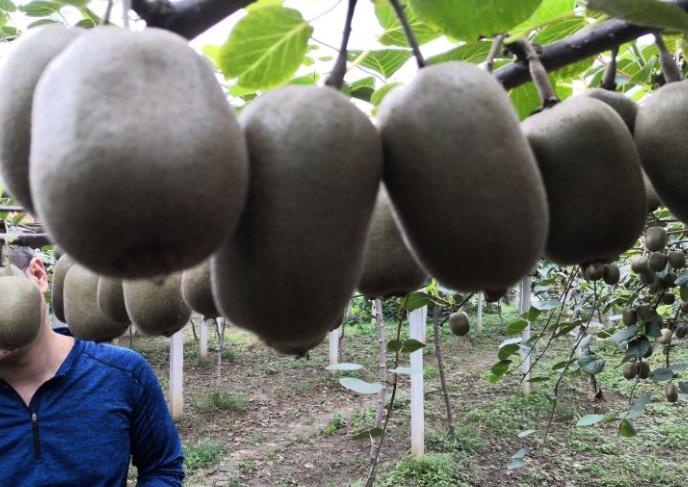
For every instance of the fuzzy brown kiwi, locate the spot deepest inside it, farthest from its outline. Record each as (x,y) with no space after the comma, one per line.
(660,138)
(639,264)
(668,297)
(197,291)
(643,370)
(655,239)
(684,306)
(657,261)
(630,316)
(57,292)
(681,331)
(575,142)
(479,193)
(649,277)
(389,268)
(19,75)
(110,298)
(193,170)
(677,259)
(611,274)
(81,307)
(653,201)
(620,103)
(668,280)
(294,246)
(494,295)
(643,311)
(593,272)
(155,306)
(665,337)
(630,370)
(459,323)
(20,312)
(671,392)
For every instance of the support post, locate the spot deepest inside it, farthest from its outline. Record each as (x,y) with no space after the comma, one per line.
(479,327)
(177,375)
(334,345)
(523,307)
(417,320)
(203,337)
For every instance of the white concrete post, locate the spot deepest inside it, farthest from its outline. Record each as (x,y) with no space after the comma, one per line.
(479,327)
(334,345)
(417,320)
(203,338)
(523,307)
(177,374)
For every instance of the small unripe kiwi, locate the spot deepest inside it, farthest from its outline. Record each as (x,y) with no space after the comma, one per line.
(668,297)
(630,370)
(197,291)
(155,306)
(20,312)
(681,331)
(643,370)
(639,264)
(459,323)
(449,209)
(668,280)
(657,261)
(593,272)
(82,167)
(671,392)
(81,307)
(655,238)
(389,268)
(110,297)
(643,311)
(665,338)
(630,316)
(677,259)
(21,69)
(653,201)
(571,142)
(57,292)
(611,274)
(684,306)
(649,277)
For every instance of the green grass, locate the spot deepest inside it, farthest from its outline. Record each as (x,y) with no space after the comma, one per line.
(222,400)
(203,454)
(431,470)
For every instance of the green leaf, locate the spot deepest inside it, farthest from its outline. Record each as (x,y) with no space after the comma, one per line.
(638,347)
(626,429)
(405,371)
(500,368)
(40,8)
(559,30)
(590,363)
(381,93)
(384,61)
(540,378)
(394,346)
(590,419)
(526,433)
(472,52)
(683,387)
(266,47)
(516,327)
(653,13)
(515,463)
(546,305)
(344,366)
(625,334)
(359,386)
(411,345)
(363,89)
(662,374)
(393,34)
(368,434)
(41,22)
(566,328)
(548,11)
(417,300)
(507,350)
(682,280)
(521,453)
(8,6)
(470,19)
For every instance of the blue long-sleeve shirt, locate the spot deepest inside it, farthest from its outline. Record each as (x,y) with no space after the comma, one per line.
(103,405)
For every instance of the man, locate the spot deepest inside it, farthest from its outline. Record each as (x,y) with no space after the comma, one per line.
(73,412)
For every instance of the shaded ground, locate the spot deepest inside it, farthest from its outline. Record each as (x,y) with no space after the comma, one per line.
(279,421)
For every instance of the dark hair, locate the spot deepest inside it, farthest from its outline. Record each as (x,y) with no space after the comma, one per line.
(21,257)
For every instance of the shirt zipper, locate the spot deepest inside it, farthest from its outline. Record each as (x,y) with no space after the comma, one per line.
(36,436)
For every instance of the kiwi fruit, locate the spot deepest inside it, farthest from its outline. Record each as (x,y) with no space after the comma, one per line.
(629,316)
(155,306)
(668,280)
(57,293)
(653,201)
(494,295)
(620,103)
(681,331)
(296,256)
(197,292)
(677,259)
(668,297)
(463,182)
(630,370)
(389,269)
(593,272)
(643,311)
(655,239)
(639,264)
(671,392)
(657,261)
(585,151)
(684,306)
(650,351)
(643,370)
(665,338)
(21,69)
(649,277)
(57,252)
(110,299)
(118,91)
(459,323)
(20,312)
(611,274)
(661,141)
(11,270)
(81,307)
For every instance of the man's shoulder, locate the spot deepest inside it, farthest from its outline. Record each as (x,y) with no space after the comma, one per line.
(119,358)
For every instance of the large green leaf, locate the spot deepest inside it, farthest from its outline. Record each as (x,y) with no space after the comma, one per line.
(40,8)
(470,19)
(653,13)
(359,386)
(547,12)
(384,61)
(471,52)
(393,34)
(266,47)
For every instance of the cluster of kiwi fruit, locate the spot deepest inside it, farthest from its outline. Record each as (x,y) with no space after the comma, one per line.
(20,308)
(465,192)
